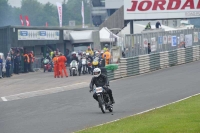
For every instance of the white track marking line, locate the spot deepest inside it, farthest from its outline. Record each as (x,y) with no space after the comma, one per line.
(40,92)
(4,99)
(45,89)
(142,112)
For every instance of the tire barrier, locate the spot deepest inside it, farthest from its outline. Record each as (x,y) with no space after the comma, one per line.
(152,62)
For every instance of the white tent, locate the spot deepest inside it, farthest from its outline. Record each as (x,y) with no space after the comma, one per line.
(106,35)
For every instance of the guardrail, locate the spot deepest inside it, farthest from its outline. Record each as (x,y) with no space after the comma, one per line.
(151,62)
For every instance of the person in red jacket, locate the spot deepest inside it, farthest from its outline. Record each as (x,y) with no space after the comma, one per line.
(61,60)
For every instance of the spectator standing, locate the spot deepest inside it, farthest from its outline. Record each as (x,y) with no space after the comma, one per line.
(158,25)
(8,66)
(1,66)
(148,26)
(61,62)
(17,63)
(26,61)
(149,48)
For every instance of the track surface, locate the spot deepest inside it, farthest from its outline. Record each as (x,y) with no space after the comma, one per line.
(74,110)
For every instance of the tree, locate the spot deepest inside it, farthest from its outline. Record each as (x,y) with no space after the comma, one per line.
(50,14)
(34,10)
(72,11)
(5,13)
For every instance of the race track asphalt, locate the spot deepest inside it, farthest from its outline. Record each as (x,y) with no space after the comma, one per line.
(74,110)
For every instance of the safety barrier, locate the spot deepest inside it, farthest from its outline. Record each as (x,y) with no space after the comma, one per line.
(151,62)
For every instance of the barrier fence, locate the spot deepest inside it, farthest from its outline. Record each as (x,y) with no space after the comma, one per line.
(160,41)
(37,64)
(150,62)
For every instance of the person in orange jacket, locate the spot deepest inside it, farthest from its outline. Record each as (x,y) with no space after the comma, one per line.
(61,60)
(107,56)
(56,66)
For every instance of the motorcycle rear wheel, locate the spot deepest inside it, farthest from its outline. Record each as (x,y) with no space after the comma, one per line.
(111,109)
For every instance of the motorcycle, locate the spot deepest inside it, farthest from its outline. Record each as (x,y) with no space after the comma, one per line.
(47,65)
(103,99)
(84,63)
(74,68)
(95,63)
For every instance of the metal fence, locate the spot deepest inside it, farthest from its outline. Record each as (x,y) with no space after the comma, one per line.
(137,44)
(37,64)
(151,62)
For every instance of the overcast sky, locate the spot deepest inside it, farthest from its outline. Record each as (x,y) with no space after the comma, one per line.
(17,3)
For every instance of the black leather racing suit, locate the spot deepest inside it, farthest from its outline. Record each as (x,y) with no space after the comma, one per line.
(101,81)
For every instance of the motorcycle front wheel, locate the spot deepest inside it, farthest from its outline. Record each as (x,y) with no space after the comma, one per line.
(102,104)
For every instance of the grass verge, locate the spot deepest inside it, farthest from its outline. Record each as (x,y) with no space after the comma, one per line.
(181,117)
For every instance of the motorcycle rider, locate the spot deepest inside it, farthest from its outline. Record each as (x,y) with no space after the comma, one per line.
(90,60)
(100,80)
(74,57)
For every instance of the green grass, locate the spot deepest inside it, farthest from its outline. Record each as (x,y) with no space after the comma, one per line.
(182,117)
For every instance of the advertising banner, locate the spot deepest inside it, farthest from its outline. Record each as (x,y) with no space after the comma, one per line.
(38,34)
(160,40)
(188,40)
(182,38)
(164,39)
(174,41)
(161,9)
(196,37)
(145,42)
(59,7)
(83,16)
(153,44)
(169,39)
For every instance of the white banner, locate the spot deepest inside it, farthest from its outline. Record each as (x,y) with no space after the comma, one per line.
(83,16)
(169,39)
(161,9)
(145,42)
(164,39)
(182,38)
(153,44)
(196,39)
(38,34)
(59,6)
(188,40)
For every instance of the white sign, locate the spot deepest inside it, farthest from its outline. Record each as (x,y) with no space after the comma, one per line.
(169,39)
(145,42)
(59,6)
(161,9)
(38,34)
(182,38)
(153,44)
(164,39)
(188,40)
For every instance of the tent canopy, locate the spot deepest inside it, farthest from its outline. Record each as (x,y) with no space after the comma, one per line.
(106,35)
(81,36)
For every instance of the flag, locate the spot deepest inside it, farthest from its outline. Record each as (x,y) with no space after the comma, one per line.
(82,13)
(27,21)
(59,6)
(21,19)
(46,24)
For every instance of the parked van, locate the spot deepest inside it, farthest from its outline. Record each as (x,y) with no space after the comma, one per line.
(4,64)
